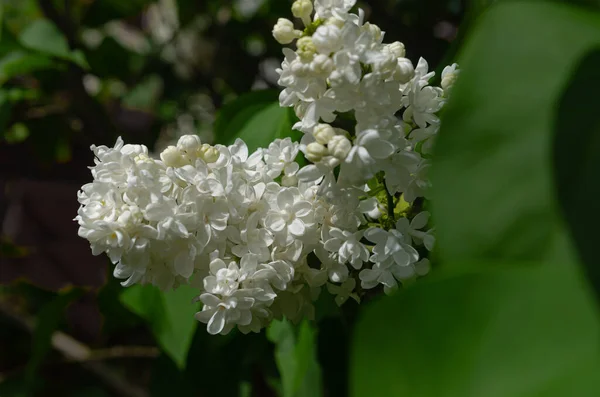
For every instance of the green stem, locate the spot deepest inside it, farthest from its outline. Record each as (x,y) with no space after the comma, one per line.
(390,203)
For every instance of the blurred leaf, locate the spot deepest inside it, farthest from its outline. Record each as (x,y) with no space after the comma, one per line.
(255,117)
(47,322)
(20,62)
(498,331)
(492,178)
(296,358)
(20,94)
(577,161)
(145,95)
(18,132)
(8,42)
(169,314)
(43,36)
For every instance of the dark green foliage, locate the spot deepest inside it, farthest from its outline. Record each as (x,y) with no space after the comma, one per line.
(576,160)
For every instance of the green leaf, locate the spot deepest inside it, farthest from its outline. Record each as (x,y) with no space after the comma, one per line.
(517,330)
(43,36)
(22,62)
(577,161)
(170,315)
(256,118)
(493,193)
(296,358)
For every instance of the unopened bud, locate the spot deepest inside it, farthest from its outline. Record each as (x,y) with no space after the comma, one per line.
(172,157)
(374,30)
(208,153)
(284,31)
(327,39)
(315,152)
(404,71)
(322,64)
(303,9)
(335,21)
(189,143)
(339,146)
(306,48)
(323,133)
(449,76)
(385,65)
(397,49)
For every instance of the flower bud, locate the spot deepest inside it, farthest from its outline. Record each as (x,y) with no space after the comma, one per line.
(306,48)
(189,143)
(374,30)
(327,39)
(134,149)
(404,71)
(142,158)
(302,9)
(449,76)
(336,78)
(323,133)
(172,157)
(385,65)
(299,68)
(322,65)
(315,152)
(339,146)
(330,161)
(208,153)
(397,49)
(284,31)
(335,21)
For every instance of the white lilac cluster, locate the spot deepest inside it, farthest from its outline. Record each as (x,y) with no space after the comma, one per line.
(342,68)
(259,236)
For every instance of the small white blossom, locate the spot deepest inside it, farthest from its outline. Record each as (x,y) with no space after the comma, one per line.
(284,31)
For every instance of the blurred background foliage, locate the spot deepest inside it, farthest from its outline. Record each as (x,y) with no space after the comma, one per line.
(508,315)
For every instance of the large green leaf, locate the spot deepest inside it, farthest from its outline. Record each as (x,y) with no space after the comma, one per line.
(577,161)
(523,325)
(493,194)
(295,356)
(170,315)
(497,331)
(256,118)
